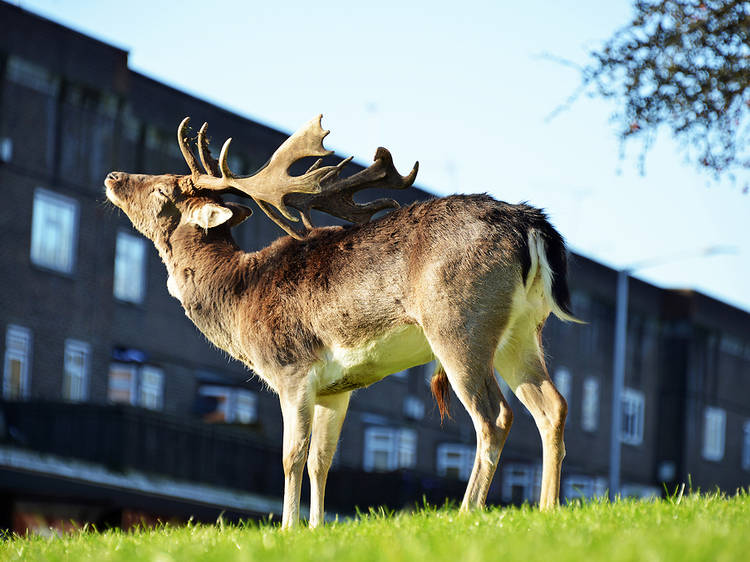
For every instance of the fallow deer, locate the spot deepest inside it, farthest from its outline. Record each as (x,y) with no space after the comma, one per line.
(464,280)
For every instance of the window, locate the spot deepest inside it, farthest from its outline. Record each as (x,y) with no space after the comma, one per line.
(33,76)
(581,486)
(714,424)
(388,449)
(53,231)
(225,404)
(455,461)
(578,487)
(152,388)
(590,404)
(17,364)
(139,386)
(130,268)
(122,383)
(413,408)
(631,430)
(746,445)
(75,370)
(245,409)
(407,448)
(521,483)
(564,383)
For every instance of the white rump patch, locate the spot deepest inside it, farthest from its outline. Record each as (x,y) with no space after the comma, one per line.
(538,251)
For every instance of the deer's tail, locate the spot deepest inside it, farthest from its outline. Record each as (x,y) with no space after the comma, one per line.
(549,258)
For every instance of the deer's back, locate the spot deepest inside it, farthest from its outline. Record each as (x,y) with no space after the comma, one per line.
(344,285)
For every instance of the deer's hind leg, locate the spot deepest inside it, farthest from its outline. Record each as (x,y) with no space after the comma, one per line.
(472,378)
(521,364)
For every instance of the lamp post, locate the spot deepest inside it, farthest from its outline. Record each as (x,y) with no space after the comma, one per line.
(620,348)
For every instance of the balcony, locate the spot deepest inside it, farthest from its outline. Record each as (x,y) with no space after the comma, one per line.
(123,439)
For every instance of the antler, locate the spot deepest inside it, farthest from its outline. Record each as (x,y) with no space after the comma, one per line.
(320,188)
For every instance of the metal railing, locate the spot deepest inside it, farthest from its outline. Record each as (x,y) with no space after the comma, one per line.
(122,438)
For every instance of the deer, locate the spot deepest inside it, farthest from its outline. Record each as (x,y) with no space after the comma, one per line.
(463,280)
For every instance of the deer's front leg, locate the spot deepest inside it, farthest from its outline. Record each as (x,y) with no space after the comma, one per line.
(330,412)
(296,410)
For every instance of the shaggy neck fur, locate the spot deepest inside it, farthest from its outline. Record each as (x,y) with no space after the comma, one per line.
(211,273)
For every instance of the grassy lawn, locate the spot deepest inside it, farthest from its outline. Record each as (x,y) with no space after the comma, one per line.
(696,527)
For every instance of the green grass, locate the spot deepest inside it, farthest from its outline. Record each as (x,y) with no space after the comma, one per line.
(695,527)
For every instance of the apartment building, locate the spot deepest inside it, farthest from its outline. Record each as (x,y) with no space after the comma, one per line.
(115,408)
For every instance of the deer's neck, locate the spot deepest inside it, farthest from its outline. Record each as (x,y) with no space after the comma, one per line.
(210,274)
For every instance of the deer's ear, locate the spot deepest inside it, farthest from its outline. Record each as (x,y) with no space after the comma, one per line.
(209,215)
(239,213)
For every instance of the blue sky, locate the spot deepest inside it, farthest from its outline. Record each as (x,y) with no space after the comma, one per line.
(465,89)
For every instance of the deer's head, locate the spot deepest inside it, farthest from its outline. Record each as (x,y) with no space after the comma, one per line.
(158,204)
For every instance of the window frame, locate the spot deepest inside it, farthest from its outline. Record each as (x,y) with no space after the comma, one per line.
(123,283)
(745,458)
(590,404)
(37,255)
(563,380)
(18,346)
(396,440)
(714,427)
(76,346)
(146,387)
(520,474)
(133,391)
(464,459)
(228,405)
(633,403)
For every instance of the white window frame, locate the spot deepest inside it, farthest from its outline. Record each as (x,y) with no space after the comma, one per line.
(237,405)
(525,475)
(564,384)
(578,486)
(413,407)
(129,280)
(379,440)
(145,388)
(54,250)
(590,404)
(133,383)
(406,445)
(18,343)
(714,433)
(398,445)
(746,445)
(633,416)
(245,406)
(457,457)
(151,387)
(75,374)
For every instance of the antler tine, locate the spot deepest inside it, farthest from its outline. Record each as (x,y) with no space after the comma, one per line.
(273,182)
(336,197)
(187,152)
(208,161)
(319,187)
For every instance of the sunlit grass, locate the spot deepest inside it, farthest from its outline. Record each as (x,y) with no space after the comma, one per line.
(694,527)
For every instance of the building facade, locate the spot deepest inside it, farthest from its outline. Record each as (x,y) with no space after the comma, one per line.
(115,408)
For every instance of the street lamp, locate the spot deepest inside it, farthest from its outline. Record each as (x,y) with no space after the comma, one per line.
(618,363)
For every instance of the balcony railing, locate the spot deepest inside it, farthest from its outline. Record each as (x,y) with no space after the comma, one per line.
(123,438)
